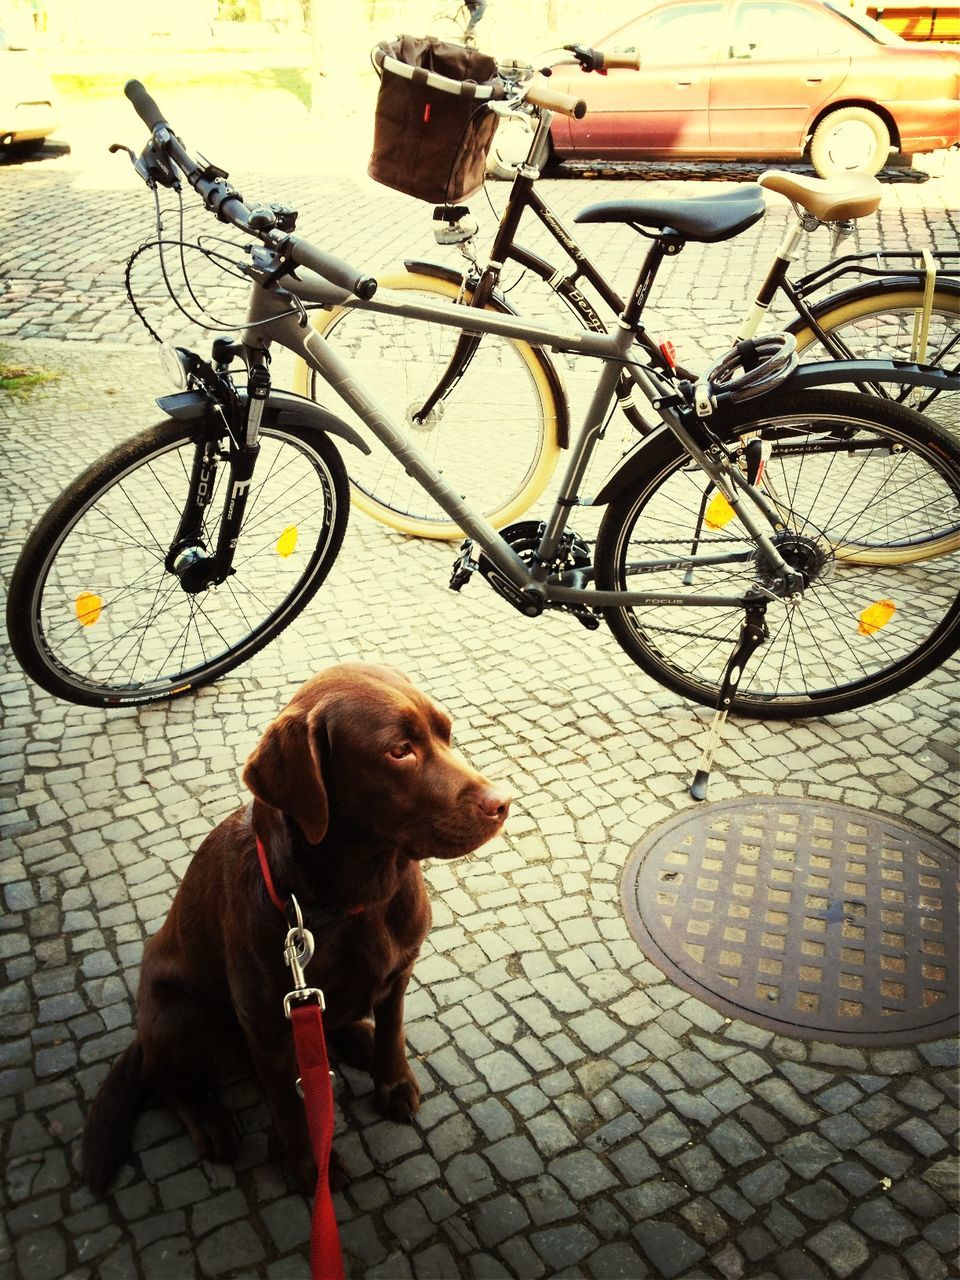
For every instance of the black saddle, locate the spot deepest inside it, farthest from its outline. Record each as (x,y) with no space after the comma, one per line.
(703,218)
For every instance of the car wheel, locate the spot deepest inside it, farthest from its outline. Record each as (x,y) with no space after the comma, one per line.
(849,140)
(511,143)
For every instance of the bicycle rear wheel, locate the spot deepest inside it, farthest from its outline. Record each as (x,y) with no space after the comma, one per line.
(494,436)
(96,617)
(884,323)
(850,470)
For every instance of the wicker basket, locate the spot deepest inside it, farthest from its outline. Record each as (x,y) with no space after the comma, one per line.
(432,130)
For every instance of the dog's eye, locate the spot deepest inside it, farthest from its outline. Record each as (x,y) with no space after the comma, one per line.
(401,750)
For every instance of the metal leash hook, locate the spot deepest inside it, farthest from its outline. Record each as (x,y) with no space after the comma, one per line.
(297,952)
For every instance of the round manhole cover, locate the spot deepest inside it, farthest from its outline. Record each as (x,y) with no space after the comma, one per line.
(811,919)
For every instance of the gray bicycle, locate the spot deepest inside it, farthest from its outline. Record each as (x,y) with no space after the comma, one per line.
(739,560)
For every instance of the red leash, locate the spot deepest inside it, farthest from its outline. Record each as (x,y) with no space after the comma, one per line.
(326,1262)
(304,1007)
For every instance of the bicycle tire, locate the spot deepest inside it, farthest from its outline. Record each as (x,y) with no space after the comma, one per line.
(95,617)
(816,660)
(503,458)
(879,323)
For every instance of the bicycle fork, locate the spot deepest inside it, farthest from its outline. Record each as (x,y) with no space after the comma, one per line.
(188,557)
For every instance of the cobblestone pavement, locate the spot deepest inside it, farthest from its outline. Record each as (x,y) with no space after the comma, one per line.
(582,1115)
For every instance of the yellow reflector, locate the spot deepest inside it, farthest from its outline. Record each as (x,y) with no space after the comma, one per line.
(718,513)
(876,616)
(88,608)
(287,541)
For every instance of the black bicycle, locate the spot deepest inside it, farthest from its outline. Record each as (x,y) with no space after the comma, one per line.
(905,306)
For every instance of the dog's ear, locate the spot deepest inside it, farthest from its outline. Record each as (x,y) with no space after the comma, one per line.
(284,771)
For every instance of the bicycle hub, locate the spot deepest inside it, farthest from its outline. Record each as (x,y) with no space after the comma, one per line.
(196,568)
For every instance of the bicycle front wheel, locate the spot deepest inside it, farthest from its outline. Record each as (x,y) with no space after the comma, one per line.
(96,617)
(848,470)
(494,436)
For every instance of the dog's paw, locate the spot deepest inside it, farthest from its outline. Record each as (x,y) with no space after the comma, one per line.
(215,1132)
(353,1044)
(303,1171)
(338,1175)
(399,1101)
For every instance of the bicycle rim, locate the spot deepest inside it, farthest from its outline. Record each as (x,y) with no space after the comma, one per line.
(494,436)
(860,631)
(101,620)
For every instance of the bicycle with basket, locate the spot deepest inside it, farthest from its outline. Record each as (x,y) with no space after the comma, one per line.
(901,308)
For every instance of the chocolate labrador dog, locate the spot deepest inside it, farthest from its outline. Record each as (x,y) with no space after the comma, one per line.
(354,784)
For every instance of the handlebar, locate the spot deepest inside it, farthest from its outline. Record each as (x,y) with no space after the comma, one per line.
(597,60)
(540,94)
(143,104)
(612,60)
(226,202)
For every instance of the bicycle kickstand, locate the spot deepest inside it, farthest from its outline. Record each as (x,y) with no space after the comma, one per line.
(752,634)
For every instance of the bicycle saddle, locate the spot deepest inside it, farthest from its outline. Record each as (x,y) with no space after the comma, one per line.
(848,195)
(703,218)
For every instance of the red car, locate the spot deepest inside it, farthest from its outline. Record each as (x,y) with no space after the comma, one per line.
(765,78)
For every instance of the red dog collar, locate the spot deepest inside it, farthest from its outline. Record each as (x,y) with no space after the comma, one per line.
(332,912)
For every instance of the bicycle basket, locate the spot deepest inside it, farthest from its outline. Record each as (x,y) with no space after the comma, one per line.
(432,131)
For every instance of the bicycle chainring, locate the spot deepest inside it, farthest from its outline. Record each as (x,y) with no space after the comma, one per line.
(573,554)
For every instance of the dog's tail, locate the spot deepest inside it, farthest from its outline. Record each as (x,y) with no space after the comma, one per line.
(107,1133)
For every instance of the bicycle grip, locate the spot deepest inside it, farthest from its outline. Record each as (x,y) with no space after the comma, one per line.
(143,104)
(610,61)
(333,269)
(565,104)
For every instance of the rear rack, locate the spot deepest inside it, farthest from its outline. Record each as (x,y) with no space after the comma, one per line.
(903,263)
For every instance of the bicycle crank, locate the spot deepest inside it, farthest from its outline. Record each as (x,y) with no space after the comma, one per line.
(572,558)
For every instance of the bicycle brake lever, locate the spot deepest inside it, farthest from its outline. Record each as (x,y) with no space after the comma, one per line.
(152,166)
(119,146)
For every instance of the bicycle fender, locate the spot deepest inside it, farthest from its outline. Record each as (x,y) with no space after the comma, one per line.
(828,373)
(287,408)
(649,453)
(282,408)
(184,405)
(437,271)
(636,464)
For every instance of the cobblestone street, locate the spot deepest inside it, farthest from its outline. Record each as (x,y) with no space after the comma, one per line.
(582,1115)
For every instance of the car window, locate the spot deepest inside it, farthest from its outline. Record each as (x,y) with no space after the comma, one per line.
(676,33)
(876,31)
(766,29)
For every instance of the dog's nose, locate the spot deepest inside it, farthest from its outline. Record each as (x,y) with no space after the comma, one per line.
(495,802)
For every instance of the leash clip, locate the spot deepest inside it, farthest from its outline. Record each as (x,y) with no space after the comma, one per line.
(297,952)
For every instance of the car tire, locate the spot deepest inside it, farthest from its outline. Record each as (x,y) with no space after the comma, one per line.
(849,140)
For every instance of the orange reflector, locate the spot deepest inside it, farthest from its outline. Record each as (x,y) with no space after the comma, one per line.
(669,353)
(88,608)
(287,542)
(718,513)
(876,616)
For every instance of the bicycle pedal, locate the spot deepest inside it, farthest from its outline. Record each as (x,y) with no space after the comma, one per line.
(463,566)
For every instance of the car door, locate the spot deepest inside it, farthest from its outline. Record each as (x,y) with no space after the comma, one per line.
(783,61)
(663,106)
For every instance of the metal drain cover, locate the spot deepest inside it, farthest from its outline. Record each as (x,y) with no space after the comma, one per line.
(808,918)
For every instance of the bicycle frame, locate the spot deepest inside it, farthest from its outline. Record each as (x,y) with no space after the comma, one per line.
(271,319)
(523,196)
